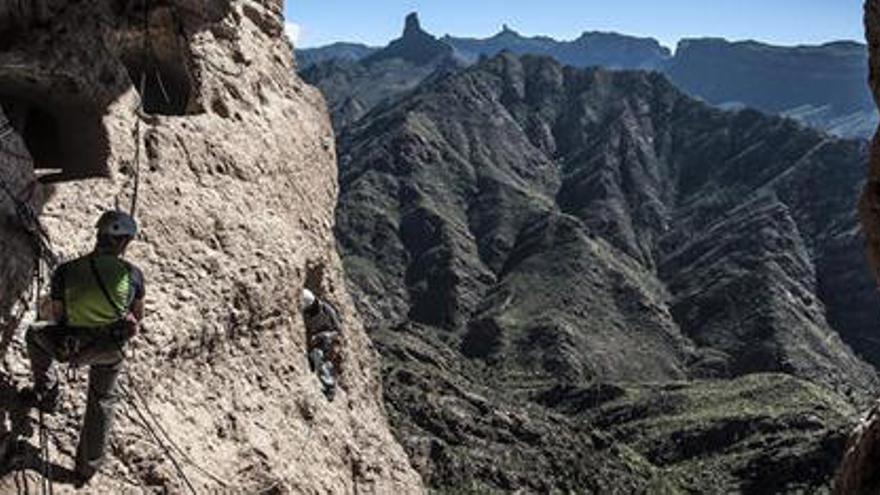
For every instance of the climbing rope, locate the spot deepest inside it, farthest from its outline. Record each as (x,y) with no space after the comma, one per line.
(6,130)
(46,474)
(170,441)
(145,418)
(137,148)
(30,222)
(140,112)
(43,253)
(148,420)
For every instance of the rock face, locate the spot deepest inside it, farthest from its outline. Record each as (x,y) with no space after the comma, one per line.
(858,472)
(236,198)
(530,244)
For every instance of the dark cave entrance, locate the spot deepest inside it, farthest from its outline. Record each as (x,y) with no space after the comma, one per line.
(41,135)
(155,51)
(62,134)
(164,84)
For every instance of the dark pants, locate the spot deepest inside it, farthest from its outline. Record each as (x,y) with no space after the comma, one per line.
(103,354)
(320,358)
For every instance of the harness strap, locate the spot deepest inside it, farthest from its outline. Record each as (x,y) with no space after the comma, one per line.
(120,313)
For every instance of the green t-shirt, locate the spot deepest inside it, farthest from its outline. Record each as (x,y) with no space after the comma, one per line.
(85,304)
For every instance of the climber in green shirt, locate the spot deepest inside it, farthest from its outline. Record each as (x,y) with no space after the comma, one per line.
(97,306)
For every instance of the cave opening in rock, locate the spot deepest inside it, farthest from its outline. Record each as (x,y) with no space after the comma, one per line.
(61,132)
(41,135)
(164,84)
(158,61)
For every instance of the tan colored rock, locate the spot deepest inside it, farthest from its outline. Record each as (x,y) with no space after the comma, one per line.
(236,204)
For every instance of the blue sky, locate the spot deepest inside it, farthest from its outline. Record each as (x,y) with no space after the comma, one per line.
(375,22)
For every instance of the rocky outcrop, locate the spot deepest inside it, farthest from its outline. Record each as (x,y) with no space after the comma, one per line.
(415,46)
(236,198)
(858,473)
(522,235)
(354,87)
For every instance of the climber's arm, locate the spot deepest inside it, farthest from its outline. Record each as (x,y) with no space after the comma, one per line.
(137,309)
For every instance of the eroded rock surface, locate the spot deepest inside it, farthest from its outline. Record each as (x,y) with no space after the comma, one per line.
(236,199)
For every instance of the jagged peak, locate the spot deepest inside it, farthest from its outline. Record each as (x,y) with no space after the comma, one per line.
(506,30)
(412,26)
(415,45)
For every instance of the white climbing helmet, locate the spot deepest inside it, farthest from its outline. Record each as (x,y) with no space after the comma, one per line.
(307,300)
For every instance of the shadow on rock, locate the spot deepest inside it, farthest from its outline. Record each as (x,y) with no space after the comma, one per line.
(16,424)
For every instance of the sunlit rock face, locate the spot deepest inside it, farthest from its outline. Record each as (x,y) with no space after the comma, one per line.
(237,189)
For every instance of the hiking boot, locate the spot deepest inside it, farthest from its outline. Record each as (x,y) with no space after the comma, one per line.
(16,456)
(80,480)
(46,400)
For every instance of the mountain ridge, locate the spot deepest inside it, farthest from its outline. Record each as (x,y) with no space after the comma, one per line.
(848,111)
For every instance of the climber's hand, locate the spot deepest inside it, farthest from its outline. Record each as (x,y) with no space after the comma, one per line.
(130,326)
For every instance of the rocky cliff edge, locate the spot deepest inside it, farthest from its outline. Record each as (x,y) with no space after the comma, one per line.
(237,187)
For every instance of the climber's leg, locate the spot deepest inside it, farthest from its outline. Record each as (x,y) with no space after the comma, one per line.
(316,357)
(327,380)
(43,347)
(98,420)
(322,367)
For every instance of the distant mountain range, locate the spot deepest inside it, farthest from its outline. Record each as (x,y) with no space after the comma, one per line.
(610,50)
(821,86)
(336,51)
